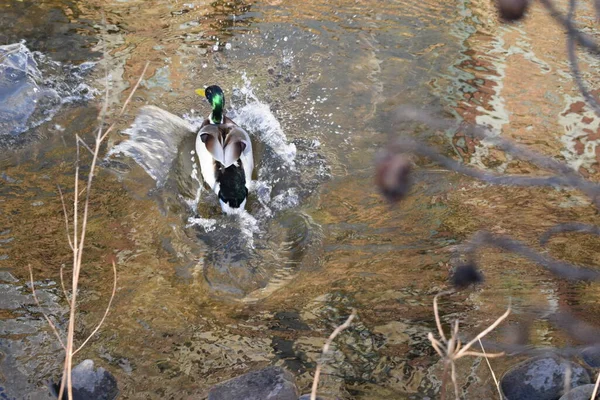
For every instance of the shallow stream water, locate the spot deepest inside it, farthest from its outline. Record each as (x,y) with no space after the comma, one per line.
(203,297)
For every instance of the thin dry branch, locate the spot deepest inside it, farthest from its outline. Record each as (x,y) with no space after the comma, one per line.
(62,200)
(583,39)
(112,296)
(487,360)
(566,176)
(571,51)
(78,241)
(80,140)
(334,334)
(560,268)
(37,302)
(62,284)
(452,349)
(595,392)
(110,128)
(569,227)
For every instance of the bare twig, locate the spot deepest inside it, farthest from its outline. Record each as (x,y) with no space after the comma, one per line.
(584,40)
(567,380)
(571,51)
(62,284)
(452,349)
(569,227)
(559,268)
(487,360)
(595,392)
(126,101)
(62,200)
(78,241)
(37,302)
(80,140)
(334,334)
(112,296)
(566,175)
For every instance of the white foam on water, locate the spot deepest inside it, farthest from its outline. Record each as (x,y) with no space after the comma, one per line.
(209,224)
(286,200)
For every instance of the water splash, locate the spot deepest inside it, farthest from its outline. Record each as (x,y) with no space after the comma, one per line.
(256,116)
(154,140)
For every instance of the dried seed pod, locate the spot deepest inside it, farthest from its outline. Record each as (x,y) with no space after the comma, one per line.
(512,10)
(466,275)
(392,175)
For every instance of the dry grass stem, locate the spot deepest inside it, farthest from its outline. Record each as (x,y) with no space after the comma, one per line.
(452,349)
(76,237)
(595,392)
(37,302)
(80,140)
(334,334)
(110,128)
(487,360)
(79,241)
(62,200)
(62,284)
(567,382)
(112,296)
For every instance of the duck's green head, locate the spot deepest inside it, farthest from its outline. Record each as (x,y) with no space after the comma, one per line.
(215,96)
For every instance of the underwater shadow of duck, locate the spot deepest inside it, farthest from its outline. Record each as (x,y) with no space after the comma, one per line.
(293,243)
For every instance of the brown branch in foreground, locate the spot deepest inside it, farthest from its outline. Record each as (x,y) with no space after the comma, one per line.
(337,331)
(77,244)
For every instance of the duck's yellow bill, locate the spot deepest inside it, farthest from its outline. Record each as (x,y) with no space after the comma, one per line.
(200,92)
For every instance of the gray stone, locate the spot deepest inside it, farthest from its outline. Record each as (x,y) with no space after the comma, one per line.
(271,383)
(581,393)
(90,383)
(591,356)
(21,97)
(307,397)
(541,378)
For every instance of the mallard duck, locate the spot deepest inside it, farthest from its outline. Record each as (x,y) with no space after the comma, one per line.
(225,154)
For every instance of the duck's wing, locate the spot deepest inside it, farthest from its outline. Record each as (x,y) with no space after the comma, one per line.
(236,143)
(238,146)
(211,138)
(229,121)
(154,140)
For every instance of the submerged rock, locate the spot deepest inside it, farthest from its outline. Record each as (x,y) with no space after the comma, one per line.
(22,99)
(90,383)
(271,383)
(541,378)
(581,393)
(591,356)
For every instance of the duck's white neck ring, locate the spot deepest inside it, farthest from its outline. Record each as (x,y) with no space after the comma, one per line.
(212,121)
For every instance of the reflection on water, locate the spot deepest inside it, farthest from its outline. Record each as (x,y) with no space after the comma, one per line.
(204,297)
